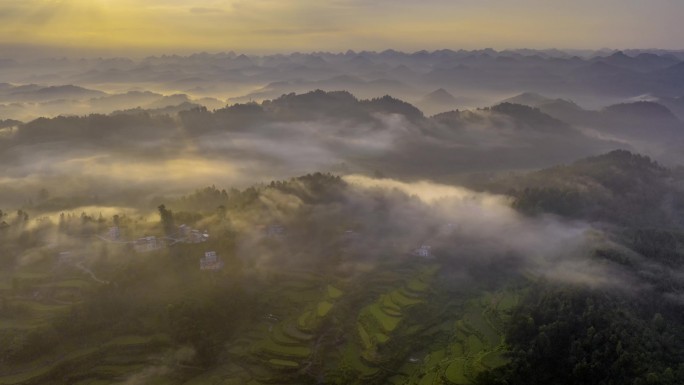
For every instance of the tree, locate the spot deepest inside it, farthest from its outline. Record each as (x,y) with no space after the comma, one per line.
(43,195)
(22,215)
(221,212)
(166,217)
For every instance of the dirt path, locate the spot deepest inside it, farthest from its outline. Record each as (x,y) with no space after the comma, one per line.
(92,275)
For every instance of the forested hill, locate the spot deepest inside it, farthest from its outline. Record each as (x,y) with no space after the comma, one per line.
(286,245)
(619,187)
(334,128)
(568,335)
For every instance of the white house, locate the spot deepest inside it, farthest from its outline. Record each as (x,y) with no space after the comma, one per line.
(423,251)
(197,236)
(146,244)
(274,231)
(211,261)
(190,235)
(114,233)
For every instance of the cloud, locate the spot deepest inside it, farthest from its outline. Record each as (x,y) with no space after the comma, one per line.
(482,229)
(165,25)
(204,10)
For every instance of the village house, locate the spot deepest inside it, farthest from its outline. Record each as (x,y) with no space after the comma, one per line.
(114,233)
(197,236)
(210,261)
(423,251)
(274,231)
(146,244)
(190,235)
(350,240)
(183,231)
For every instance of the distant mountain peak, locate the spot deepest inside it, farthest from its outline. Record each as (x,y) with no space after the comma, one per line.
(624,159)
(439,95)
(643,109)
(619,54)
(243,60)
(529,117)
(532,99)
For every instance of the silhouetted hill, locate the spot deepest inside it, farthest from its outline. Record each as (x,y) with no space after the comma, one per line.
(619,187)
(312,105)
(380,133)
(674,72)
(605,78)
(641,111)
(439,101)
(107,130)
(9,123)
(529,117)
(531,99)
(644,121)
(390,105)
(562,109)
(647,121)
(169,110)
(652,62)
(137,98)
(35,93)
(170,100)
(439,96)
(618,59)
(675,105)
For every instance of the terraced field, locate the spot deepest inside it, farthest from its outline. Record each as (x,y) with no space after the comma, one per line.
(35,298)
(301,347)
(112,361)
(320,328)
(361,358)
(281,349)
(377,321)
(476,344)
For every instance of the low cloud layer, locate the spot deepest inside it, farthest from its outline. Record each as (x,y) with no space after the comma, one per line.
(480,228)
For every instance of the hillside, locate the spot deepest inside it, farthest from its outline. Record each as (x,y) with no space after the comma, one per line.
(618,187)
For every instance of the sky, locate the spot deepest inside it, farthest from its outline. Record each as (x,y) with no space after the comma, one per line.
(127,27)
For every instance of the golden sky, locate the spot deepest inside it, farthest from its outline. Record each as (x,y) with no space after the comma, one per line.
(262,26)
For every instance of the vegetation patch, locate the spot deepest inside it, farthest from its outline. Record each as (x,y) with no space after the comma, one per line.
(455,373)
(398,297)
(386,322)
(365,338)
(280,337)
(428,379)
(494,359)
(417,285)
(323,308)
(271,347)
(333,292)
(285,364)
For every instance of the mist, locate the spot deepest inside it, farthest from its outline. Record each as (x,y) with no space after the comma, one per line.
(481,228)
(340,218)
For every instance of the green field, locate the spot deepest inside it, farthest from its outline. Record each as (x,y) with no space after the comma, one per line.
(473,345)
(455,373)
(333,292)
(88,360)
(273,348)
(283,363)
(323,308)
(386,322)
(494,359)
(310,323)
